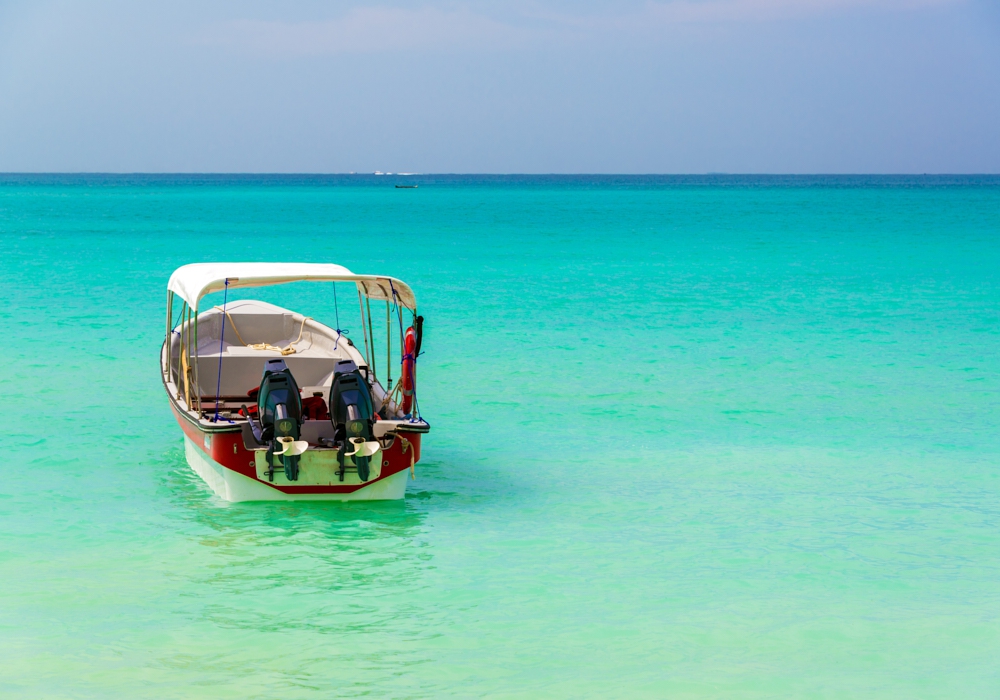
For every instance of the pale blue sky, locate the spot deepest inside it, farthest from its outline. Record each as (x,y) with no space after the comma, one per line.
(668,86)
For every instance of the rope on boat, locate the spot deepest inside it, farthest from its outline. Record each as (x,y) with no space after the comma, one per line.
(391,395)
(404,446)
(336,310)
(289,350)
(186,371)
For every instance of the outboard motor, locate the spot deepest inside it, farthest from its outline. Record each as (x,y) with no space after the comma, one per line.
(351,412)
(279,410)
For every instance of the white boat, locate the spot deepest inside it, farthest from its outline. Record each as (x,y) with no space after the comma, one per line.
(276,406)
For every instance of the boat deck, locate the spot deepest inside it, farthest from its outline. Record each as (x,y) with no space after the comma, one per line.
(250,333)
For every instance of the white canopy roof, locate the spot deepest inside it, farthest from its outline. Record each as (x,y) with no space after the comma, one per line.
(192,282)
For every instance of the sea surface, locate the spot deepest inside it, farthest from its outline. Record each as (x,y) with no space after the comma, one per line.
(693,437)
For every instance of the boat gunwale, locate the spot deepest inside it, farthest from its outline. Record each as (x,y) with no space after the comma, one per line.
(236,425)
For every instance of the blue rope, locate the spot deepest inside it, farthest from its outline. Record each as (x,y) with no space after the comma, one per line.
(177,323)
(336,310)
(222,335)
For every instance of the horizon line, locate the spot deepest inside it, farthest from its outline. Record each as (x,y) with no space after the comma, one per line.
(490,174)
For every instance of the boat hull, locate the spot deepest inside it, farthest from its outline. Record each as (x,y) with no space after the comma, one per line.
(235,487)
(236,474)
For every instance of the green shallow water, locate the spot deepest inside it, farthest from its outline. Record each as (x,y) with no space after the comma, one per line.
(692,437)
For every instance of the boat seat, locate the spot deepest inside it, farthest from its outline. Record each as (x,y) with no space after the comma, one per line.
(254,322)
(314,407)
(241,371)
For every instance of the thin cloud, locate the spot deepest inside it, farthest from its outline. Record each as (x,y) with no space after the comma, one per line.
(372,29)
(375,29)
(771,10)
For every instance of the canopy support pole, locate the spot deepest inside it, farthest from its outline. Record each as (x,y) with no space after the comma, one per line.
(388,349)
(364,327)
(222,337)
(169,348)
(185,364)
(194,357)
(371,333)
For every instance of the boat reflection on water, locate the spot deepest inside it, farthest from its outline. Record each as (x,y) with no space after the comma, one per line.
(275,567)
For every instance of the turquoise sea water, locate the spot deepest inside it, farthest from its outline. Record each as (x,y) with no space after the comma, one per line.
(692,438)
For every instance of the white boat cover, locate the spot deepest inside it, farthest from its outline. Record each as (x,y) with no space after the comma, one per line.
(192,282)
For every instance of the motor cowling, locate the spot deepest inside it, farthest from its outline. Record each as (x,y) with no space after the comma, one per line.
(279,412)
(352,414)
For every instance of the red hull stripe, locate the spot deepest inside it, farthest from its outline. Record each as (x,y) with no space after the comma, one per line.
(227,449)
